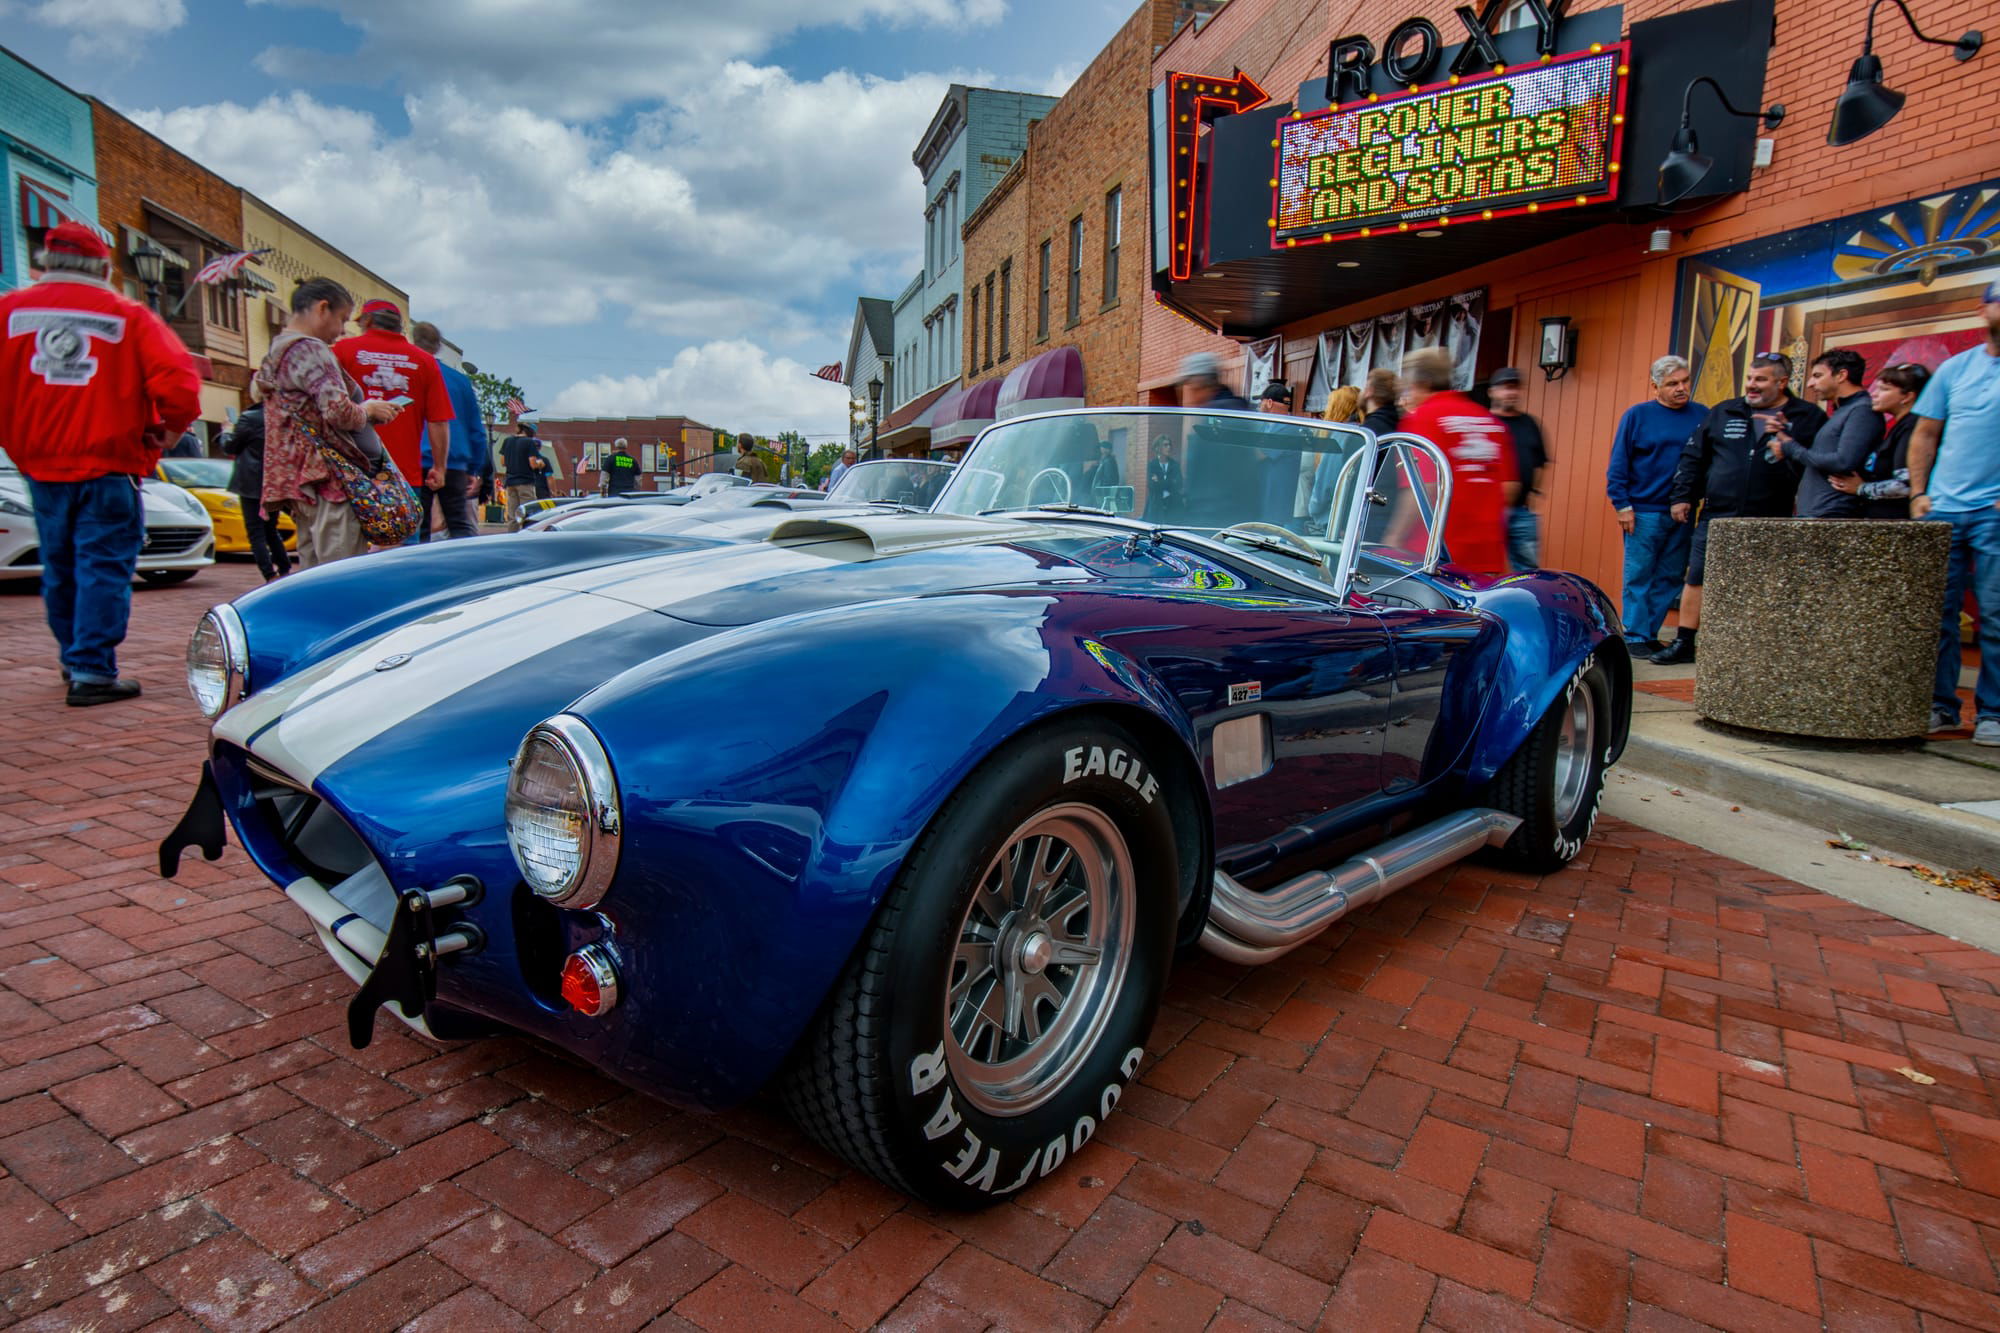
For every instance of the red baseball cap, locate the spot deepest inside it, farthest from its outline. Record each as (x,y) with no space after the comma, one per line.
(379,306)
(73,238)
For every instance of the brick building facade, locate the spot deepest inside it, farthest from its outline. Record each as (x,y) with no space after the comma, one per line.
(579,442)
(1881,245)
(148,192)
(1075,205)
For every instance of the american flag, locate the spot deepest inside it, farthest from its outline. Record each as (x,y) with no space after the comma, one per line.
(830,371)
(517,407)
(224,267)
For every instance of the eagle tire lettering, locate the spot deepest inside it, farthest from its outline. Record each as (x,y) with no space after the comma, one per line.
(1566,846)
(961,1149)
(1090,761)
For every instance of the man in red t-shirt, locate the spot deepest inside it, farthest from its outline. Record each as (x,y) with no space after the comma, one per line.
(1484,480)
(92,387)
(391,368)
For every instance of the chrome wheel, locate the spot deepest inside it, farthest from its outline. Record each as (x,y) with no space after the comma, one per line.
(1575,746)
(1039,958)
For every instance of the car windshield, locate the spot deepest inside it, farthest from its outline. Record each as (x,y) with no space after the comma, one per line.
(1205,471)
(197,471)
(906,481)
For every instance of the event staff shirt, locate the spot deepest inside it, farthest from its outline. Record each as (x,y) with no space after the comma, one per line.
(1965,396)
(388,365)
(1481,451)
(623,471)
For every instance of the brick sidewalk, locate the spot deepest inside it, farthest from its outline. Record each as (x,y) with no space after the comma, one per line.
(1655,1091)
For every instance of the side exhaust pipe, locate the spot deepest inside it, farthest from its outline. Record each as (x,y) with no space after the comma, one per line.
(1248,926)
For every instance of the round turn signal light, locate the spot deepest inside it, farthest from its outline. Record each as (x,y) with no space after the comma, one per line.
(590,981)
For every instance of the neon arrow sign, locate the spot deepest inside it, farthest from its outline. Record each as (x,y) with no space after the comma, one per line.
(1192,101)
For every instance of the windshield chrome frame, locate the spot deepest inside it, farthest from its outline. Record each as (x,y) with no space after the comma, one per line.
(1343,571)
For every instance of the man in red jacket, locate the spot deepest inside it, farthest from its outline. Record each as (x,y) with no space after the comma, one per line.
(391,368)
(94,386)
(1484,480)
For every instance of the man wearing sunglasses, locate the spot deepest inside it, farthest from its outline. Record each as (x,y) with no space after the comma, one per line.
(1955,479)
(1730,468)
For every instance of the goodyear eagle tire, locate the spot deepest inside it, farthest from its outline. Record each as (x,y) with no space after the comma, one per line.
(990,1019)
(1555,781)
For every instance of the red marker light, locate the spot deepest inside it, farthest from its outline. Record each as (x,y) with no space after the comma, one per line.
(590,982)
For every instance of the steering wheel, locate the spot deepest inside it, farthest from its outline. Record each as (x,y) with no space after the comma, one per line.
(1271,537)
(1059,475)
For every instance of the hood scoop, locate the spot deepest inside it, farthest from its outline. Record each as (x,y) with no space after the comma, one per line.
(890,534)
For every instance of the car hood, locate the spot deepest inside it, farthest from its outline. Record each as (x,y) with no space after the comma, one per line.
(460,685)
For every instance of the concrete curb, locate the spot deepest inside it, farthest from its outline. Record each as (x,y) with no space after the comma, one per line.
(1691,758)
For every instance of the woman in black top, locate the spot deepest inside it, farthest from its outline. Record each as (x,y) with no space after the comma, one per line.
(246,445)
(1883,483)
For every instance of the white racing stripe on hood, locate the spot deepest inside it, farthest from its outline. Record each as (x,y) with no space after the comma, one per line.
(305,725)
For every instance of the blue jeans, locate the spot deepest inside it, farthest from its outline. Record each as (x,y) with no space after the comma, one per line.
(90,533)
(1524,543)
(1656,560)
(1975,565)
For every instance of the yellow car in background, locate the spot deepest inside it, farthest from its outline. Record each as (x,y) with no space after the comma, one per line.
(207,479)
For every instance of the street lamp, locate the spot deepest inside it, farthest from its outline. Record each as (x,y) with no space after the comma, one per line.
(150,263)
(874,417)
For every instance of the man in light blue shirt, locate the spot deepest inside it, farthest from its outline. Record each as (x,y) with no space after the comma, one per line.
(1955,479)
(469,465)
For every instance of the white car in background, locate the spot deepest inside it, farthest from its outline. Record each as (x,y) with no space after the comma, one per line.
(180,538)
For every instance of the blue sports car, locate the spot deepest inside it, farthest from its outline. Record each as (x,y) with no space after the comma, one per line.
(1139,681)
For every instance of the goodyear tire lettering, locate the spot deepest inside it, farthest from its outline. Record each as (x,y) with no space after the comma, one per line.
(965,1149)
(927,1071)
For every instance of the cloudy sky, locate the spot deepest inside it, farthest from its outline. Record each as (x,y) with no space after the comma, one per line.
(630,206)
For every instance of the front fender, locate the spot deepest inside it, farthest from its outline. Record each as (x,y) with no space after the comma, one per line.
(761,836)
(1554,621)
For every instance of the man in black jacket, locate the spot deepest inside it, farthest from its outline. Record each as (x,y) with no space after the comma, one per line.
(245,444)
(1729,470)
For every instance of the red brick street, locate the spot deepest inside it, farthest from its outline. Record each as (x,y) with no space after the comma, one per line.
(1658,1090)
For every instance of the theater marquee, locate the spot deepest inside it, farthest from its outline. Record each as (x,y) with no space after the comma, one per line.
(1546,135)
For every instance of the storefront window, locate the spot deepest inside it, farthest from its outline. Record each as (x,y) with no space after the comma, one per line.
(1006,306)
(1114,209)
(1042,305)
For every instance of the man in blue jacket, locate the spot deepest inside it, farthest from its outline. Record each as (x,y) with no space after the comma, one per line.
(468,470)
(1640,482)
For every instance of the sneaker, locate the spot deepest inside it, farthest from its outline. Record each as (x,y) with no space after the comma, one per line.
(1987,732)
(1943,719)
(84,693)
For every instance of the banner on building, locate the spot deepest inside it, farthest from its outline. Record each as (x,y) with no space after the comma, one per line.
(1260,366)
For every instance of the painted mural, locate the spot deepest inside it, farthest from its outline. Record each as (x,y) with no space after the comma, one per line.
(1897,285)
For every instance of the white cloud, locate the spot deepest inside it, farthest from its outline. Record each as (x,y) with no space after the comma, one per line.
(712,217)
(109,27)
(734,384)
(583,58)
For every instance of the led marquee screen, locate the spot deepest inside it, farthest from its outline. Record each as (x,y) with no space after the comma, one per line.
(1547,132)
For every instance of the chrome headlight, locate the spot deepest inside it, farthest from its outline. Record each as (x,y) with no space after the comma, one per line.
(218,661)
(563,819)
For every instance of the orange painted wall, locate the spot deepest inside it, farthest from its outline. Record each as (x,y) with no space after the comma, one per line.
(1618,297)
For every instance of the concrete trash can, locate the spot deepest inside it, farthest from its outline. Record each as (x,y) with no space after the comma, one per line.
(1821,627)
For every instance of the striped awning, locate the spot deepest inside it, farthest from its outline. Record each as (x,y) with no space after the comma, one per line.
(43,206)
(134,238)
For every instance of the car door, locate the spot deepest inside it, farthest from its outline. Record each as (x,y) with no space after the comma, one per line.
(1295,699)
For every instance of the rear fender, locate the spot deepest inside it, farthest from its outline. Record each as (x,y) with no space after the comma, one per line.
(760,837)
(1555,623)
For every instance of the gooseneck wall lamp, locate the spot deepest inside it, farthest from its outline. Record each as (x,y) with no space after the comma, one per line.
(1866,105)
(1685,165)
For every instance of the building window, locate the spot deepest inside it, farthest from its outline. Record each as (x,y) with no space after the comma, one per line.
(1006,307)
(1042,303)
(989,319)
(974,298)
(1075,269)
(1114,210)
